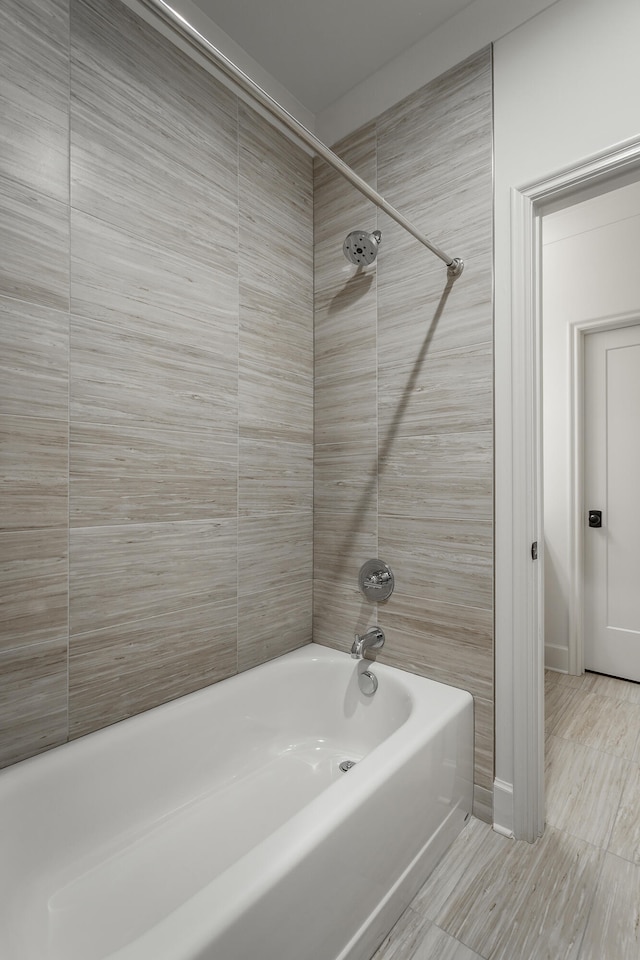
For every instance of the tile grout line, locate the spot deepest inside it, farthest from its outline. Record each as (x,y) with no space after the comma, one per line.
(614,819)
(69,268)
(589,746)
(604,847)
(591,901)
(238,380)
(480,956)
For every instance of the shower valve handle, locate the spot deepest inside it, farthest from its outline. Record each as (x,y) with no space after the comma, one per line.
(377,580)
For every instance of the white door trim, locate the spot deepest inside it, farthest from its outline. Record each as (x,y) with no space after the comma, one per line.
(519,807)
(578,332)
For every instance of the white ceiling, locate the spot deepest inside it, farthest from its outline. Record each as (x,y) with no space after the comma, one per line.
(320,50)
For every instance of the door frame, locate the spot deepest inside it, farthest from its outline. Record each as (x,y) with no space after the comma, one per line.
(578,332)
(519,807)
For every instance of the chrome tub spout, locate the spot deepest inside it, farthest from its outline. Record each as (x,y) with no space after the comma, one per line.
(373,639)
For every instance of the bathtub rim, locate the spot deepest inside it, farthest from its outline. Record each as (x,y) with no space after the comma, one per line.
(303,830)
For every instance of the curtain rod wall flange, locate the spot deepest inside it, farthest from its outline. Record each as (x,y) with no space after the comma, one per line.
(204,47)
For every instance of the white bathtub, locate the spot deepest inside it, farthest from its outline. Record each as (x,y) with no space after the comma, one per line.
(220,827)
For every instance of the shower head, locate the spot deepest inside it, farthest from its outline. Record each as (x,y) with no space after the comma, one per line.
(361,247)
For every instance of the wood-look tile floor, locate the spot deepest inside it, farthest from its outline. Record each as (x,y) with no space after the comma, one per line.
(575,893)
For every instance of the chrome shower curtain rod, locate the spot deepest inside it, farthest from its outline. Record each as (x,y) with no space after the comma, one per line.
(204,47)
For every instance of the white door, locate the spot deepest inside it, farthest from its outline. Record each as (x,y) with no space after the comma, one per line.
(612,486)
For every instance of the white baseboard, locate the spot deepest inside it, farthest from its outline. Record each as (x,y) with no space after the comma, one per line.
(556,658)
(503,808)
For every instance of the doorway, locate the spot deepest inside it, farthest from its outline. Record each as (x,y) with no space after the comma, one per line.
(519,801)
(611,469)
(590,413)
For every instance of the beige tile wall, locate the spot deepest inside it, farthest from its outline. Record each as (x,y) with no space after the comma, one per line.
(403,373)
(156,355)
(157,393)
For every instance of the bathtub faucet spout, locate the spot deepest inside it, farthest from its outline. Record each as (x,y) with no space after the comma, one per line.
(372,640)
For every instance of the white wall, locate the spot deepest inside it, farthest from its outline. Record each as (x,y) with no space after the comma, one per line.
(566,86)
(478,25)
(589,250)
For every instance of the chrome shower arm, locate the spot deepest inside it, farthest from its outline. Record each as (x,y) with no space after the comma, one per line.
(204,47)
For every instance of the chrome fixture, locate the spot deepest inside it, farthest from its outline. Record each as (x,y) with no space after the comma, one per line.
(368,683)
(372,640)
(376,580)
(361,247)
(346,765)
(189,36)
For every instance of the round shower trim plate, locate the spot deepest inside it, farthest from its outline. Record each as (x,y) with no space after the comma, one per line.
(376,580)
